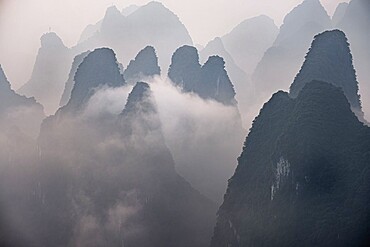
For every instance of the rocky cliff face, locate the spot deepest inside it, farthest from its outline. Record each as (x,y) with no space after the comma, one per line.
(329,59)
(281,61)
(17,111)
(143,66)
(98,69)
(355,24)
(71,78)
(304,160)
(50,73)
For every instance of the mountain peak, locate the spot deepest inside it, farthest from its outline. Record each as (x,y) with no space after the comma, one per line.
(145,64)
(51,40)
(185,68)
(297,170)
(112,11)
(99,68)
(215,82)
(137,100)
(209,81)
(156,4)
(339,13)
(308,12)
(329,59)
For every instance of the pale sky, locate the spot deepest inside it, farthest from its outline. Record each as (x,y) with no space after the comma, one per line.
(22,22)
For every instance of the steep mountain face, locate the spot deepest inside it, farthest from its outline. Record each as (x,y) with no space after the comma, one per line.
(49,73)
(237,75)
(144,65)
(280,62)
(20,119)
(302,179)
(99,68)
(70,82)
(185,68)
(90,31)
(209,81)
(17,111)
(355,24)
(254,36)
(215,82)
(121,187)
(152,24)
(339,13)
(329,59)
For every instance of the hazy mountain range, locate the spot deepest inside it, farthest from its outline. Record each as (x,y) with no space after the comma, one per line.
(134,136)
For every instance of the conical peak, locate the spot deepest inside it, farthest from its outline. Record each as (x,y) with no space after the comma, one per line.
(155,5)
(139,101)
(140,91)
(186,52)
(215,61)
(308,12)
(112,11)
(329,59)
(99,68)
(145,64)
(147,52)
(51,40)
(99,55)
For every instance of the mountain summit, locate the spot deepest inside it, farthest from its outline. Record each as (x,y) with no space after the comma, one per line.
(302,179)
(281,61)
(209,81)
(329,59)
(49,73)
(99,68)
(144,65)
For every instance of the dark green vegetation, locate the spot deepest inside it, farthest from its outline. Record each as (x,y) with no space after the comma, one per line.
(329,59)
(303,178)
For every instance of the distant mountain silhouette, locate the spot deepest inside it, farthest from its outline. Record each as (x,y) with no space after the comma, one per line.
(130,9)
(215,82)
(355,24)
(49,73)
(280,62)
(70,82)
(209,81)
(90,31)
(248,41)
(239,78)
(339,13)
(152,24)
(144,65)
(98,69)
(20,119)
(18,112)
(329,59)
(302,179)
